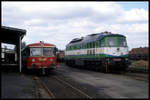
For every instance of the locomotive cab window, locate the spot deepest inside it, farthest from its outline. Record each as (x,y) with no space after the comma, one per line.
(122,42)
(111,41)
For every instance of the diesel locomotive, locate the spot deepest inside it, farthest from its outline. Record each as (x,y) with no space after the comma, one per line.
(103,51)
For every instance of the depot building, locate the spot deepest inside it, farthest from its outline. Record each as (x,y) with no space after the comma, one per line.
(11,35)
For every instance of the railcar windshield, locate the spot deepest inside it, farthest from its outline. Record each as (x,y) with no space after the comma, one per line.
(41,51)
(35,51)
(48,51)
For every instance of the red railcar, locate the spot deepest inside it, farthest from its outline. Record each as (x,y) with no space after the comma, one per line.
(39,56)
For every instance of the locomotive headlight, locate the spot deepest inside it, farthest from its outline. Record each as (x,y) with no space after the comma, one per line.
(51,60)
(33,60)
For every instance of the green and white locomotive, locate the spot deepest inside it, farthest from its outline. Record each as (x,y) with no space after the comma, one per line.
(101,51)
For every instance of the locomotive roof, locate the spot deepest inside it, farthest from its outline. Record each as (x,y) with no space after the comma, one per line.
(41,44)
(92,38)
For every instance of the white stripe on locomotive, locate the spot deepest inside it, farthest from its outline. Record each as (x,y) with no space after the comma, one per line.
(103,50)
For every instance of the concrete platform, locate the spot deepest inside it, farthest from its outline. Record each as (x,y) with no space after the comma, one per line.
(16,85)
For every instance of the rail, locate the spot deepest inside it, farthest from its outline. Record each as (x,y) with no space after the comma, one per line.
(43,86)
(76,93)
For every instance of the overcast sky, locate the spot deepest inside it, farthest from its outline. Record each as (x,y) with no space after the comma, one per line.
(59,22)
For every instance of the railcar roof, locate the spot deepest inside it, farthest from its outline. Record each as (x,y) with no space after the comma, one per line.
(41,44)
(92,38)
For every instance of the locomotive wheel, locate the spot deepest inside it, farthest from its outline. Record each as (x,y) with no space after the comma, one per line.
(67,63)
(105,67)
(125,68)
(97,68)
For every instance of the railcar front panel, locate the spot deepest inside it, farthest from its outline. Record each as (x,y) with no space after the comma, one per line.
(40,62)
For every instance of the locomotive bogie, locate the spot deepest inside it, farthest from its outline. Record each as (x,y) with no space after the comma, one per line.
(113,64)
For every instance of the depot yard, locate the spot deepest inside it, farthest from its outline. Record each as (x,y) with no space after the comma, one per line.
(70,82)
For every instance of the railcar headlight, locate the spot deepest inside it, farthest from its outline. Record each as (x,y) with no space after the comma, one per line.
(51,60)
(33,60)
(126,59)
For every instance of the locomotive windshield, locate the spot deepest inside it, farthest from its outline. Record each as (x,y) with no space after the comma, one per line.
(122,42)
(116,41)
(111,42)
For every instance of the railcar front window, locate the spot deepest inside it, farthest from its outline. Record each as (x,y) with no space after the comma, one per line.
(48,52)
(122,42)
(111,42)
(36,51)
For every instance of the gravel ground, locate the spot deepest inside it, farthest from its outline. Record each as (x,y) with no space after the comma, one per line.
(16,85)
(95,84)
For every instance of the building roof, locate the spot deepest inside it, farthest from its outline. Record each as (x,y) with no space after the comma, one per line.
(11,35)
(139,50)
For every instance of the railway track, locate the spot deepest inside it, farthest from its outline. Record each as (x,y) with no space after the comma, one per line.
(137,76)
(135,70)
(43,90)
(55,87)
